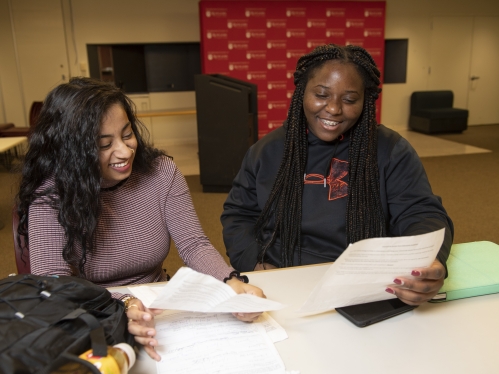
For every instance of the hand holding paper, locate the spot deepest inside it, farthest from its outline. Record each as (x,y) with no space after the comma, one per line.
(361,274)
(192,291)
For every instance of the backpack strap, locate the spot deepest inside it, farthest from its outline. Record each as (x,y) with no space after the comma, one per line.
(99,344)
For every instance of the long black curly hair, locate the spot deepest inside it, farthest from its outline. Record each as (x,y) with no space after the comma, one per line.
(63,148)
(364,214)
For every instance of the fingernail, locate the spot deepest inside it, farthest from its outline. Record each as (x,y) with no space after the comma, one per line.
(400,282)
(389,290)
(151,343)
(150,333)
(416,273)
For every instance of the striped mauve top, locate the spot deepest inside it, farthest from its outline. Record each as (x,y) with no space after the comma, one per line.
(133,236)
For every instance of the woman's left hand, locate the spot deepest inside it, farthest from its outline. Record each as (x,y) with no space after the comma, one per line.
(424,287)
(141,326)
(241,287)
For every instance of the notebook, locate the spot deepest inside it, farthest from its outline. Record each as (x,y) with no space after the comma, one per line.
(473,271)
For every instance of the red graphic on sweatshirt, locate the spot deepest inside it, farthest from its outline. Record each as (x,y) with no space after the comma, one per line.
(337,187)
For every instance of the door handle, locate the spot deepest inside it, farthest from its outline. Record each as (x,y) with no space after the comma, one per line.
(474,78)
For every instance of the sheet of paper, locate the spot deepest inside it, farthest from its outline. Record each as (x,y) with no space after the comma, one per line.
(364,270)
(275,331)
(192,342)
(192,291)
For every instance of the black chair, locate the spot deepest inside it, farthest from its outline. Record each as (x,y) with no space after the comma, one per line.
(432,112)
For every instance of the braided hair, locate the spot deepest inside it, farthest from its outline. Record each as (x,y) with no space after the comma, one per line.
(364,213)
(64,149)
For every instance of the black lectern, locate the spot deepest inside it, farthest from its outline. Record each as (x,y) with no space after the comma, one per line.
(227,120)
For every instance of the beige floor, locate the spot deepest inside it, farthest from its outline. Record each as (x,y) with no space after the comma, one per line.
(186,156)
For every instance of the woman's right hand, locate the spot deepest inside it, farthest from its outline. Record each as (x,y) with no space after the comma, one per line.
(264,266)
(141,326)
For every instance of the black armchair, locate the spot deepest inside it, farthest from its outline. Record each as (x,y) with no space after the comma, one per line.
(432,112)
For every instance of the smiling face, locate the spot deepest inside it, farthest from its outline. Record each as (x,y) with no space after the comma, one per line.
(117,146)
(333,99)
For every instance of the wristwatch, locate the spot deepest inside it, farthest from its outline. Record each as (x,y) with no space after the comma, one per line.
(127,300)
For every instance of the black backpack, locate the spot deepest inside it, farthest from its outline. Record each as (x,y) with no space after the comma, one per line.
(46,321)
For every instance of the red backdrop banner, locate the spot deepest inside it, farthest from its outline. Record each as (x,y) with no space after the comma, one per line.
(261,41)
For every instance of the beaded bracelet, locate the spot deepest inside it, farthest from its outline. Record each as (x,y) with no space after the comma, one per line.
(242,278)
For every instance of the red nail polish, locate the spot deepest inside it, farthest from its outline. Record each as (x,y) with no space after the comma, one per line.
(416,273)
(397,281)
(389,290)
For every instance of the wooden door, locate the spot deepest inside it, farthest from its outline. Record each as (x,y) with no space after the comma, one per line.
(464,55)
(483,95)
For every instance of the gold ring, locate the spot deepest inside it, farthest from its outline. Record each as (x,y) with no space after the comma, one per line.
(130,306)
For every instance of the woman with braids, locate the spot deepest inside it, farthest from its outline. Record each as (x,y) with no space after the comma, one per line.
(332,176)
(96,201)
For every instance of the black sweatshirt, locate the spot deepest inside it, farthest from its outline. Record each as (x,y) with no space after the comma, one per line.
(409,206)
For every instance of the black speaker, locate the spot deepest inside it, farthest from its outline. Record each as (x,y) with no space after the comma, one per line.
(227,120)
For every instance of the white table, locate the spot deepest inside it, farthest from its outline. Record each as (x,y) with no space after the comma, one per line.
(454,337)
(9,143)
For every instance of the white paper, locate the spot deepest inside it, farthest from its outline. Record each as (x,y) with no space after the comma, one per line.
(364,270)
(275,332)
(214,343)
(192,291)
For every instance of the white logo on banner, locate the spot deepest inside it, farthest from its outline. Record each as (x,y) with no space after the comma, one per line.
(276,44)
(295,33)
(296,12)
(256,34)
(276,85)
(359,42)
(373,13)
(256,55)
(256,75)
(275,124)
(217,34)
(373,33)
(355,23)
(315,43)
(295,53)
(335,12)
(216,12)
(277,105)
(237,24)
(316,23)
(338,33)
(276,23)
(218,56)
(238,45)
(255,12)
(276,65)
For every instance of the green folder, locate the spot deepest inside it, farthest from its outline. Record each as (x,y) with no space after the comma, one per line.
(473,271)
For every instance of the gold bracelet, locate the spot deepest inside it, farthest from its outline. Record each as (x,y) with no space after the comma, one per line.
(127,300)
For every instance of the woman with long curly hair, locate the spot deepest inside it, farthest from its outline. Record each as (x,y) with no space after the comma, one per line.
(96,201)
(332,176)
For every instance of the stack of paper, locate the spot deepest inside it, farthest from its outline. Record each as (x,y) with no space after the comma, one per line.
(213,341)
(192,342)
